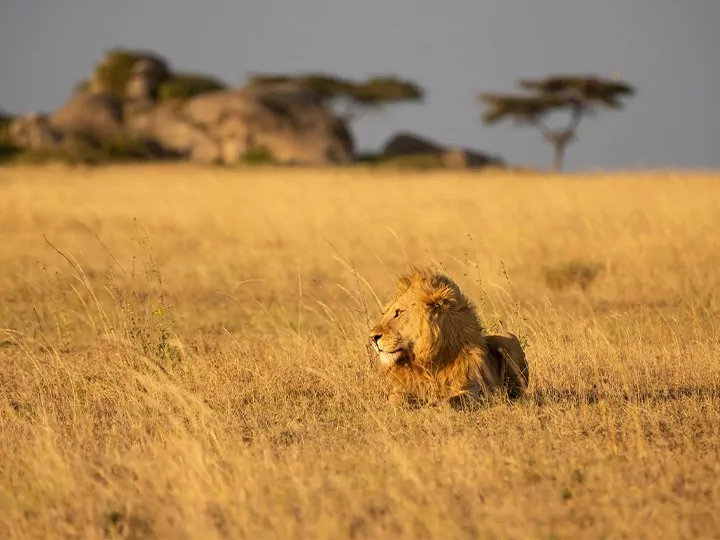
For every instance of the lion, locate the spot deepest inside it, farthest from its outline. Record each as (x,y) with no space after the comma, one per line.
(432,347)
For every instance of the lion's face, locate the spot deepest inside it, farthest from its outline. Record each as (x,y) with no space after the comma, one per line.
(403,324)
(417,320)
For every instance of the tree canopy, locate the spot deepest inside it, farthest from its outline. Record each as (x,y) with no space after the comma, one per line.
(187,85)
(351,98)
(578,95)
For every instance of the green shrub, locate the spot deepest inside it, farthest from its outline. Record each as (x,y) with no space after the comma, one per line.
(413,161)
(128,149)
(8,152)
(5,122)
(74,152)
(7,149)
(368,158)
(409,161)
(114,71)
(259,156)
(79,150)
(187,85)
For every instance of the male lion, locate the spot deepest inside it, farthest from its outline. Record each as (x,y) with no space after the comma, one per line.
(432,347)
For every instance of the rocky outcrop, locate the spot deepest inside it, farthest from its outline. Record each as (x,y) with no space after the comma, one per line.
(405,144)
(216,125)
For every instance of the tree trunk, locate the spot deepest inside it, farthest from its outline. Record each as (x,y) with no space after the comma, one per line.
(559,159)
(562,139)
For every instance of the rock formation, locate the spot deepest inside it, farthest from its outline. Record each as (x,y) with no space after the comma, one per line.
(217,125)
(405,144)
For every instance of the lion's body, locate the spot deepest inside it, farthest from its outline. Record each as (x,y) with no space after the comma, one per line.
(508,353)
(432,346)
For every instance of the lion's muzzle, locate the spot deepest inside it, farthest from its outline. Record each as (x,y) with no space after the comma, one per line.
(390,350)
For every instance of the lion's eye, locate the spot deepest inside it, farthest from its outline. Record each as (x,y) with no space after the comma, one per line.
(397,313)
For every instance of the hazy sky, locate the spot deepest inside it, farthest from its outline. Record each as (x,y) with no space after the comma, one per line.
(669,49)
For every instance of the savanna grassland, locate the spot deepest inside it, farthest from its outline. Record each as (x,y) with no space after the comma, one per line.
(183,354)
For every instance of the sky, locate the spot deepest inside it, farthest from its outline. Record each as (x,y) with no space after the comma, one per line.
(668,49)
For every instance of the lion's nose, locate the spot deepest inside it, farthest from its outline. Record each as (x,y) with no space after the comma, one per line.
(375,336)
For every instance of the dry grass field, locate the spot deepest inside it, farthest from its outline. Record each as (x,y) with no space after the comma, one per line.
(183,354)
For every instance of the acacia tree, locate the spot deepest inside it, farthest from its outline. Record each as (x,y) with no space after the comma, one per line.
(350,99)
(578,96)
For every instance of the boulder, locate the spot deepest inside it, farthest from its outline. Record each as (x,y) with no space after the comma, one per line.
(95,116)
(404,144)
(34,132)
(168,127)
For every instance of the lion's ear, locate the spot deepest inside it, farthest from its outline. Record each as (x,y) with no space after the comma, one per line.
(438,298)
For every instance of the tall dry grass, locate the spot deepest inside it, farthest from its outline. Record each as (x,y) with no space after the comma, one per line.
(183,355)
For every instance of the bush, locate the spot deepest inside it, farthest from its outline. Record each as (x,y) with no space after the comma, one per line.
(114,71)
(8,152)
(78,150)
(7,149)
(412,161)
(5,122)
(128,149)
(259,156)
(75,151)
(571,273)
(368,158)
(187,85)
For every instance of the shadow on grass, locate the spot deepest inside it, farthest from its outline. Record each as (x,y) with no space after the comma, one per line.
(591,396)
